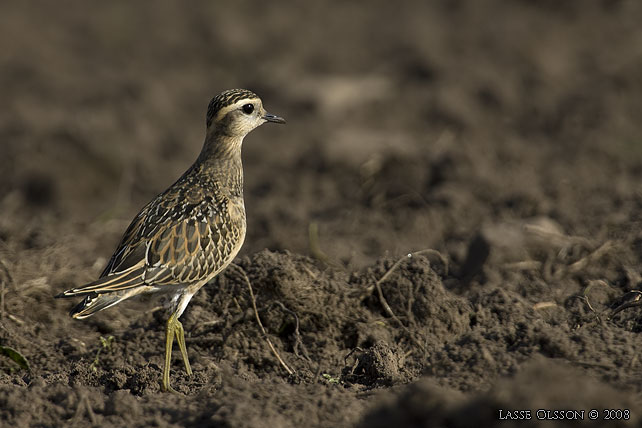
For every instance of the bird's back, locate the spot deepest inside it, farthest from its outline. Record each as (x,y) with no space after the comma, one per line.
(199,220)
(184,236)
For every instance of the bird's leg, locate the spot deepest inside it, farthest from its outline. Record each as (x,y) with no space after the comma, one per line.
(169,340)
(180,338)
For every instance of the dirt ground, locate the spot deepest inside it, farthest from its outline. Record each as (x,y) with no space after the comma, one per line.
(499,143)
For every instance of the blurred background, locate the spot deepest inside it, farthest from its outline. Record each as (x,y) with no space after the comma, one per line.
(409,125)
(504,134)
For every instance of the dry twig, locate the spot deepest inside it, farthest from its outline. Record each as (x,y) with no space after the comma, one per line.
(84,405)
(595,255)
(5,282)
(523,265)
(384,302)
(356,360)
(543,305)
(631,299)
(315,247)
(406,258)
(586,300)
(258,320)
(298,343)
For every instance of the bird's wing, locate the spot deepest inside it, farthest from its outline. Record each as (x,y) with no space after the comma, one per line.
(131,249)
(183,236)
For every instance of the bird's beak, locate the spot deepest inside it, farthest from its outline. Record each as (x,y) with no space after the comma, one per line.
(273,118)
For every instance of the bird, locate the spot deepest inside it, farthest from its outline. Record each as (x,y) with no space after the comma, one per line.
(189,233)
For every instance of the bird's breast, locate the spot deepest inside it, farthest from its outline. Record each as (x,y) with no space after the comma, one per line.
(236,210)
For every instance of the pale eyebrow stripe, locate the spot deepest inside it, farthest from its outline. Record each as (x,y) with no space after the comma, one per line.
(225,110)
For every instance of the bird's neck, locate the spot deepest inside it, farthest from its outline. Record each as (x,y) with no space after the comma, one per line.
(221,158)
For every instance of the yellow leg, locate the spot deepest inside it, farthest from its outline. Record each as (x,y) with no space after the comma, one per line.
(169,341)
(180,338)
(174,328)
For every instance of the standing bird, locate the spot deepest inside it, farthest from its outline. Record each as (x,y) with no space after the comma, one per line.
(189,233)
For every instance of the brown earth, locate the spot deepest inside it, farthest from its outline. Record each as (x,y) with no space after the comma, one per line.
(503,135)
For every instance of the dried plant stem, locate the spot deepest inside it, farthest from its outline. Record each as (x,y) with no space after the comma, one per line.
(298,343)
(631,299)
(258,320)
(315,247)
(384,302)
(405,258)
(595,255)
(5,281)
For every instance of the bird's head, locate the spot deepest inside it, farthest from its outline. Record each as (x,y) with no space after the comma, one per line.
(236,112)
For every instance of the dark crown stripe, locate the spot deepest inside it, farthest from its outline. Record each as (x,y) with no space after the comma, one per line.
(224,99)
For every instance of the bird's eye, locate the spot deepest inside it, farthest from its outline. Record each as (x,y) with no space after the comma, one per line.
(248,108)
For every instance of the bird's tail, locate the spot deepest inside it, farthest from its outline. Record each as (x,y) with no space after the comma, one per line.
(95,302)
(105,292)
